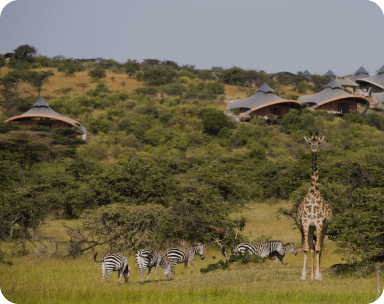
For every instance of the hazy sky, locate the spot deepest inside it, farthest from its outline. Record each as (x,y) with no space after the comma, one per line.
(271,35)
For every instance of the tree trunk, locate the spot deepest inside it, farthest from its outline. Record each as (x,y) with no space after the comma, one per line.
(23,237)
(12,226)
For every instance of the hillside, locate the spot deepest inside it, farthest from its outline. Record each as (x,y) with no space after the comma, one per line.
(163,165)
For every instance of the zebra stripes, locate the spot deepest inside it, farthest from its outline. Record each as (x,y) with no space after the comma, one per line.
(114,262)
(184,255)
(151,258)
(289,247)
(261,249)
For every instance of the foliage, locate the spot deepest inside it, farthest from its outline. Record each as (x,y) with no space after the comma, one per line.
(70,67)
(159,75)
(23,57)
(38,79)
(295,122)
(299,78)
(147,90)
(131,67)
(11,83)
(358,228)
(64,90)
(233,76)
(214,121)
(126,226)
(82,85)
(2,60)
(98,73)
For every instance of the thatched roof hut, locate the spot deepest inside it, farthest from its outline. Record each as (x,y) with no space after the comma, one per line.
(264,102)
(41,114)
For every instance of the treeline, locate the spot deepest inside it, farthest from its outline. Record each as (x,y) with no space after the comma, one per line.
(160,77)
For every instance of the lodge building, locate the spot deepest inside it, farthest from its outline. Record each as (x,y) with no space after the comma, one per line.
(261,104)
(41,114)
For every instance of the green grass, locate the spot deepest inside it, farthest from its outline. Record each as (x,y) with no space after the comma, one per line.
(57,280)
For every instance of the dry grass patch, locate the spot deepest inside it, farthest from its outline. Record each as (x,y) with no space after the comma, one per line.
(59,81)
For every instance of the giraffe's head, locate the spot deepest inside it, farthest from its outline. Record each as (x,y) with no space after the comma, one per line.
(314,141)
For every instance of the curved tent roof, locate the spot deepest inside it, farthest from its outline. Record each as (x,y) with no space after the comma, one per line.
(346,82)
(330,74)
(263,97)
(42,109)
(377,80)
(360,73)
(306,73)
(332,91)
(378,97)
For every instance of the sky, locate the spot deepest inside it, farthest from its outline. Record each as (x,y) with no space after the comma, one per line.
(269,35)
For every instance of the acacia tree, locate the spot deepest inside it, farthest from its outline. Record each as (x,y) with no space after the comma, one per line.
(98,73)
(23,205)
(132,66)
(25,53)
(38,79)
(11,83)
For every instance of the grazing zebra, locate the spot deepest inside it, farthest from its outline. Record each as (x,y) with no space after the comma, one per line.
(289,247)
(151,258)
(184,255)
(261,249)
(114,262)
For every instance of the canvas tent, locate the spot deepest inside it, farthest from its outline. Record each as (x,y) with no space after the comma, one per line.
(41,114)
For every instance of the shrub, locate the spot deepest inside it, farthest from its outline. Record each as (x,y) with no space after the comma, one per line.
(159,75)
(213,121)
(97,73)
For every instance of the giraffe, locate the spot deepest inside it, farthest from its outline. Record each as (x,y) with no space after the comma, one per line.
(314,214)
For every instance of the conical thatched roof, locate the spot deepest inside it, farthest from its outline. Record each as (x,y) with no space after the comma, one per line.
(360,73)
(377,80)
(330,74)
(42,109)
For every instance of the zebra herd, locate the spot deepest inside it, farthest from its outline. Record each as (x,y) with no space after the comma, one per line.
(272,249)
(146,258)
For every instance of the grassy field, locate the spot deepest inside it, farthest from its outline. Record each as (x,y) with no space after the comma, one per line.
(57,280)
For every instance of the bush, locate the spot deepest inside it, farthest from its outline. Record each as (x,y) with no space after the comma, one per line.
(174,89)
(97,73)
(159,75)
(233,76)
(213,121)
(147,90)
(2,60)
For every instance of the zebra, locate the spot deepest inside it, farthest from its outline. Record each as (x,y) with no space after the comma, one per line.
(261,249)
(151,258)
(114,262)
(289,247)
(184,255)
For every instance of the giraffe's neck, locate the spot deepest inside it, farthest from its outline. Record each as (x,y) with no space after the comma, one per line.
(314,176)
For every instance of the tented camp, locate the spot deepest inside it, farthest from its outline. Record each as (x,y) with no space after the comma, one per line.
(261,104)
(333,99)
(307,75)
(330,74)
(347,83)
(360,73)
(41,114)
(373,84)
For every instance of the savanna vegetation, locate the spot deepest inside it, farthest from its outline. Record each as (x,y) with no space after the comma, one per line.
(163,165)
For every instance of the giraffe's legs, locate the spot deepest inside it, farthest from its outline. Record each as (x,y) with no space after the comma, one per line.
(305,249)
(312,264)
(318,248)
